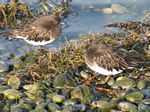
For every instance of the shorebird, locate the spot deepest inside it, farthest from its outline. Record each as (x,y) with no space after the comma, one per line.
(107,60)
(41,31)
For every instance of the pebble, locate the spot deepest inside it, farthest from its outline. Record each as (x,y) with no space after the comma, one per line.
(147,74)
(38,110)
(4,67)
(142,84)
(64,80)
(126,106)
(12,94)
(14,82)
(24,107)
(84,75)
(143,108)
(17,110)
(58,98)
(134,96)
(99,103)
(53,107)
(125,84)
(3,88)
(118,8)
(71,101)
(107,10)
(70,108)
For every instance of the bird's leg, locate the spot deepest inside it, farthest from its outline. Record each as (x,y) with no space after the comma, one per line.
(89,81)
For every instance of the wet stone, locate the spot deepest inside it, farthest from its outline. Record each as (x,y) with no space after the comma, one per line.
(3,88)
(81,107)
(147,74)
(37,100)
(35,94)
(118,8)
(38,86)
(145,101)
(84,75)
(4,67)
(24,107)
(122,78)
(145,92)
(107,10)
(126,106)
(58,98)
(14,82)
(99,103)
(38,110)
(142,84)
(53,107)
(63,80)
(72,101)
(17,110)
(70,108)
(111,81)
(80,91)
(28,87)
(125,84)
(134,96)
(107,107)
(41,106)
(143,108)
(12,94)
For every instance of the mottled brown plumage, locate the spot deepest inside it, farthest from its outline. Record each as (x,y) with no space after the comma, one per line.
(45,29)
(108,60)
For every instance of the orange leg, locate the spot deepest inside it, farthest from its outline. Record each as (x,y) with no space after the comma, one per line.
(103,82)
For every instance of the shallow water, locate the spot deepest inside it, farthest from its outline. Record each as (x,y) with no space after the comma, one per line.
(89,17)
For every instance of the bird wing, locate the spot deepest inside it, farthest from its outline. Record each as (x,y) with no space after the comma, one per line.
(111,59)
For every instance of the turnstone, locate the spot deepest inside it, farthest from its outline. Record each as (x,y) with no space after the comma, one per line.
(107,60)
(41,31)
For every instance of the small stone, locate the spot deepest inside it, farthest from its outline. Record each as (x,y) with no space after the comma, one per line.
(134,96)
(38,86)
(70,108)
(107,10)
(72,101)
(80,91)
(118,8)
(53,107)
(41,106)
(125,84)
(38,110)
(126,106)
(14,82)
(12,94)
(3,88)
(28,87)
(4,67)
(111,105)
(58,98)
(99,103)
(37,101)
(17,110)
(84,75)
(143,108)
(142,84)
(111,81)
(122,78)
(147,74)
(63,81)
(35,94)
(25,107)
(81,107)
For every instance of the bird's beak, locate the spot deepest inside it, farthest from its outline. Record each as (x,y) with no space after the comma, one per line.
(62,22)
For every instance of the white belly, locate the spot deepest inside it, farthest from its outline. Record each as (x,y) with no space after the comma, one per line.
(37,42)
(102,71)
